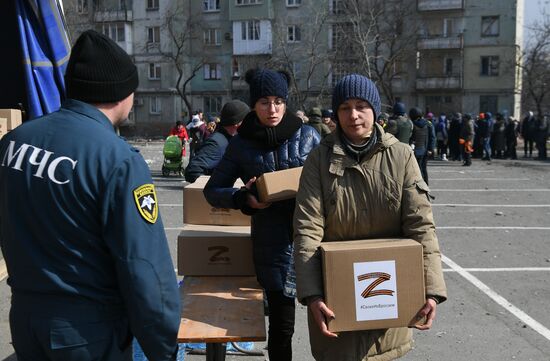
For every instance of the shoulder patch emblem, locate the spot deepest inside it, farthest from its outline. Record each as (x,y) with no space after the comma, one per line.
(146,202)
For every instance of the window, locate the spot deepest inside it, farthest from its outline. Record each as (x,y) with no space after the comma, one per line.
(153,35)
(235,68)
(250,30)
(154,105)
(212,37)
(115,31)
(212,104)
(488,103)
(489,26)
(152,4)
(293,34)
(154,71)
(293,2)
(336,7)
(212,71)
(248,2)
(489,65)
(82,6)
(211,5)
(448,66)
(338,71)
(339,37)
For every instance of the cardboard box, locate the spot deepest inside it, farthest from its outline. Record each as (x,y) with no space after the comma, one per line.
(279,185)
(196,210)
(3,127)
(215,251)
(373,284)
(13,116)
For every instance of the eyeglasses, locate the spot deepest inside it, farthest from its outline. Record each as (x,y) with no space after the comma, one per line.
(265,104)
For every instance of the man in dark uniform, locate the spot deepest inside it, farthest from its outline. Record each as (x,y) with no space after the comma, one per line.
(88,261)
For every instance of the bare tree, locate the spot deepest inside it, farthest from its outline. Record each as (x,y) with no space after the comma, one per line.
(535,63)
(382,34)
(301,54)
(182,28)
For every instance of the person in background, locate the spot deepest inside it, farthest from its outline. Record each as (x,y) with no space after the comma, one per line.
(541,136)
(422,140)
(211,151)
(399,124)
(271,138)
(88,261)
(498,137)
(361,183)
(383,119)
(300,114)
(454,134)
(466,138)
(179,130)
(528,133)
(316,122)
(484,134)
(511,134)
(197,131)
(327,119)
(441,135)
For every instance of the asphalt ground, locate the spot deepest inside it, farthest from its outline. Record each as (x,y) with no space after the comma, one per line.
(493,224)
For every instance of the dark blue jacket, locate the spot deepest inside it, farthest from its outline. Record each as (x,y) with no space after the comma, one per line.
(271,227)
(208,155)
(79,224)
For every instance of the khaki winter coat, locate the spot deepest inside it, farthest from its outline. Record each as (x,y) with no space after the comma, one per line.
(383,196)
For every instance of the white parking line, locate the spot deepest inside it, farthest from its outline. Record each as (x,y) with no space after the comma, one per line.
(480,179)
(491,205)
(523,317)
(461,171)
(509,269)
(492,190)
(496,227)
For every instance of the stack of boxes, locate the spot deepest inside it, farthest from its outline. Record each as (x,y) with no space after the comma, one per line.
(214,241)
(9,120)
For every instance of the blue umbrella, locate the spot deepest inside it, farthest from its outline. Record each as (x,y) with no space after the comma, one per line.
(46,50)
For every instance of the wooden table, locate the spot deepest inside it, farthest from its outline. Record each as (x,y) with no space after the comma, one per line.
(216,310)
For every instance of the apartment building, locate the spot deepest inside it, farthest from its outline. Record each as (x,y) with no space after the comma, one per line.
(463,55)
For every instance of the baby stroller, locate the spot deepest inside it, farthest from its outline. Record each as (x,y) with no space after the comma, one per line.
(173,156)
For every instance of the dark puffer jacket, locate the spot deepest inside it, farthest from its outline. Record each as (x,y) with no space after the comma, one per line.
(271,227)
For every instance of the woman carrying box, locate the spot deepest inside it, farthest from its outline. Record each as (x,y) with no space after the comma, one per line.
(361,183)
(269,139)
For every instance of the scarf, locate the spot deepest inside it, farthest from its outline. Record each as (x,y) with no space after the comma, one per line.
(269,137)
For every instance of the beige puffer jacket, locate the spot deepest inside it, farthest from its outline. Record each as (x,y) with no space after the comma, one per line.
(383,196)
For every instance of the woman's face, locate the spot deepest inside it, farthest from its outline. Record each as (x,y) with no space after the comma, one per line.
(356,119)
(270,110)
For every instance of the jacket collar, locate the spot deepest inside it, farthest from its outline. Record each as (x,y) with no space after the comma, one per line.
(339,160)
(89,111)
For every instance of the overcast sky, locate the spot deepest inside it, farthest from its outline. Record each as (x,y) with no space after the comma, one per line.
(533,12)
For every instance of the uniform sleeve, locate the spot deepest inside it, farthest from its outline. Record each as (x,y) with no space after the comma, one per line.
(417,223)
(309,225)
(206,158)
(134,234)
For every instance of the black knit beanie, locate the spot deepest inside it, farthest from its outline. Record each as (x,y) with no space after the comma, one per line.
(233,112)
(99,71)
(355,86)
(266,82)
(415,113)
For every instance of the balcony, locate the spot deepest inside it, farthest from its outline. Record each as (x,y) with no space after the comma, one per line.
(439,82)
(440,42)
(435,5)
(113,15)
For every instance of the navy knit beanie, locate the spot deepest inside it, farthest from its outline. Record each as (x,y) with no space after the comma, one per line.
(266,82)
(99,71)
(355,86)
(399,108)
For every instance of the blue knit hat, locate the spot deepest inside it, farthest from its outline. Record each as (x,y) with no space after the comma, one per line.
(266,82)
(399,108)
(355,86)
